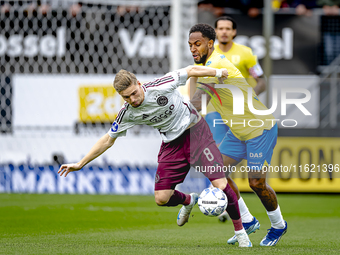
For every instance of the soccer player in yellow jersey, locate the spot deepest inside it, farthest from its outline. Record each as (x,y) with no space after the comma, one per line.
(242,57)
(251,136)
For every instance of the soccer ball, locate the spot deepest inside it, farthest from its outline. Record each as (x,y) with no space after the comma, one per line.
(212,202)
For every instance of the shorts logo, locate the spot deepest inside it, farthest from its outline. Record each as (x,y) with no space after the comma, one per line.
(162,100)
(157,178)
(114,127)
(256,155)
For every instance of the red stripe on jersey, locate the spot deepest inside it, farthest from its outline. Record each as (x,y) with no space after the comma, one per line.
(161,83)
(158,82)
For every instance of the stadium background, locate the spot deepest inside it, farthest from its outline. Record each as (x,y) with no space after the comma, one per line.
(56,95)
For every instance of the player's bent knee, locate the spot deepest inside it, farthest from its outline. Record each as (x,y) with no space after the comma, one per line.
(257,184)
(161,201)
(220,183)
(161,198)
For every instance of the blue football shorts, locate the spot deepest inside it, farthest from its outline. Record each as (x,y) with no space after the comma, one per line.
(220,129)
(257,151)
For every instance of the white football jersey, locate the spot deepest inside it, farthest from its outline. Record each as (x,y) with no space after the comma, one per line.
(163,108)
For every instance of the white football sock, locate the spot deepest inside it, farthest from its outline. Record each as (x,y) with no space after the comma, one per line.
(238,232)
(244,211)
(276,218)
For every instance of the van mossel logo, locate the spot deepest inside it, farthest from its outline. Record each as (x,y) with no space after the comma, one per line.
(114,127)
(239,104)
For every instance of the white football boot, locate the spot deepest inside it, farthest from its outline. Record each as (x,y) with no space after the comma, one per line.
(243,240)
(184,212)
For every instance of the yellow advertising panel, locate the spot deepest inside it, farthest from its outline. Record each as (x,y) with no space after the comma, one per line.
(301,164)
(98,103)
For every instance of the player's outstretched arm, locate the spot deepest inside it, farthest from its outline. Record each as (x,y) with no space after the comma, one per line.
(192,86)
(99,148)
(201,71)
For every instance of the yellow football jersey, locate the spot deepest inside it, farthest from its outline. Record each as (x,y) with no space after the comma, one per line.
(244,126)
(242,57)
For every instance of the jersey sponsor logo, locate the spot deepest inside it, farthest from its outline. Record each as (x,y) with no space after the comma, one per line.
(167,113)
(162,100)
(208,63)
(114,127)
(255,155)
(145,116)
(222,56)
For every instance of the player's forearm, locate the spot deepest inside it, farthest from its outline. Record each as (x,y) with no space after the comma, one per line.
(192,86)
(260,86)
(201,71)
(99,148)
(196,100)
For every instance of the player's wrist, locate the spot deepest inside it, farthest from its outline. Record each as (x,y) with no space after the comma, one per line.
(218,73)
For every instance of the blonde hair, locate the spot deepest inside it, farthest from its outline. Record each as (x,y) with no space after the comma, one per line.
(123,80)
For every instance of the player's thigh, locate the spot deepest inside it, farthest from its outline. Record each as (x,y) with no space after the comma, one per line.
(210,162)
(169,174)
(217,126)
(232,149)
(220,183)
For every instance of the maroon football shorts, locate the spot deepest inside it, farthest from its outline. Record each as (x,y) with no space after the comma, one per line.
(195,147)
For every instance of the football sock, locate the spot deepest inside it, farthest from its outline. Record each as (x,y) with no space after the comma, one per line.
(237,224)
(276,219)
(178,198)
(241,231)
(187,200)
(244,211)
(232,208)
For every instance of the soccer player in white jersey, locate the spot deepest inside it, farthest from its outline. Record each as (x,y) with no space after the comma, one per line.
(187,140)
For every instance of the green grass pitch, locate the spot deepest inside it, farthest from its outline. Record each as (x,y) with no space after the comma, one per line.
(111,224)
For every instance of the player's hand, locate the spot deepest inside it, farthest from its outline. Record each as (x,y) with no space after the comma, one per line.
(224,75)
(67,168)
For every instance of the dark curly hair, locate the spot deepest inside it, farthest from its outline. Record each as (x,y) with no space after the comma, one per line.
(206,30)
